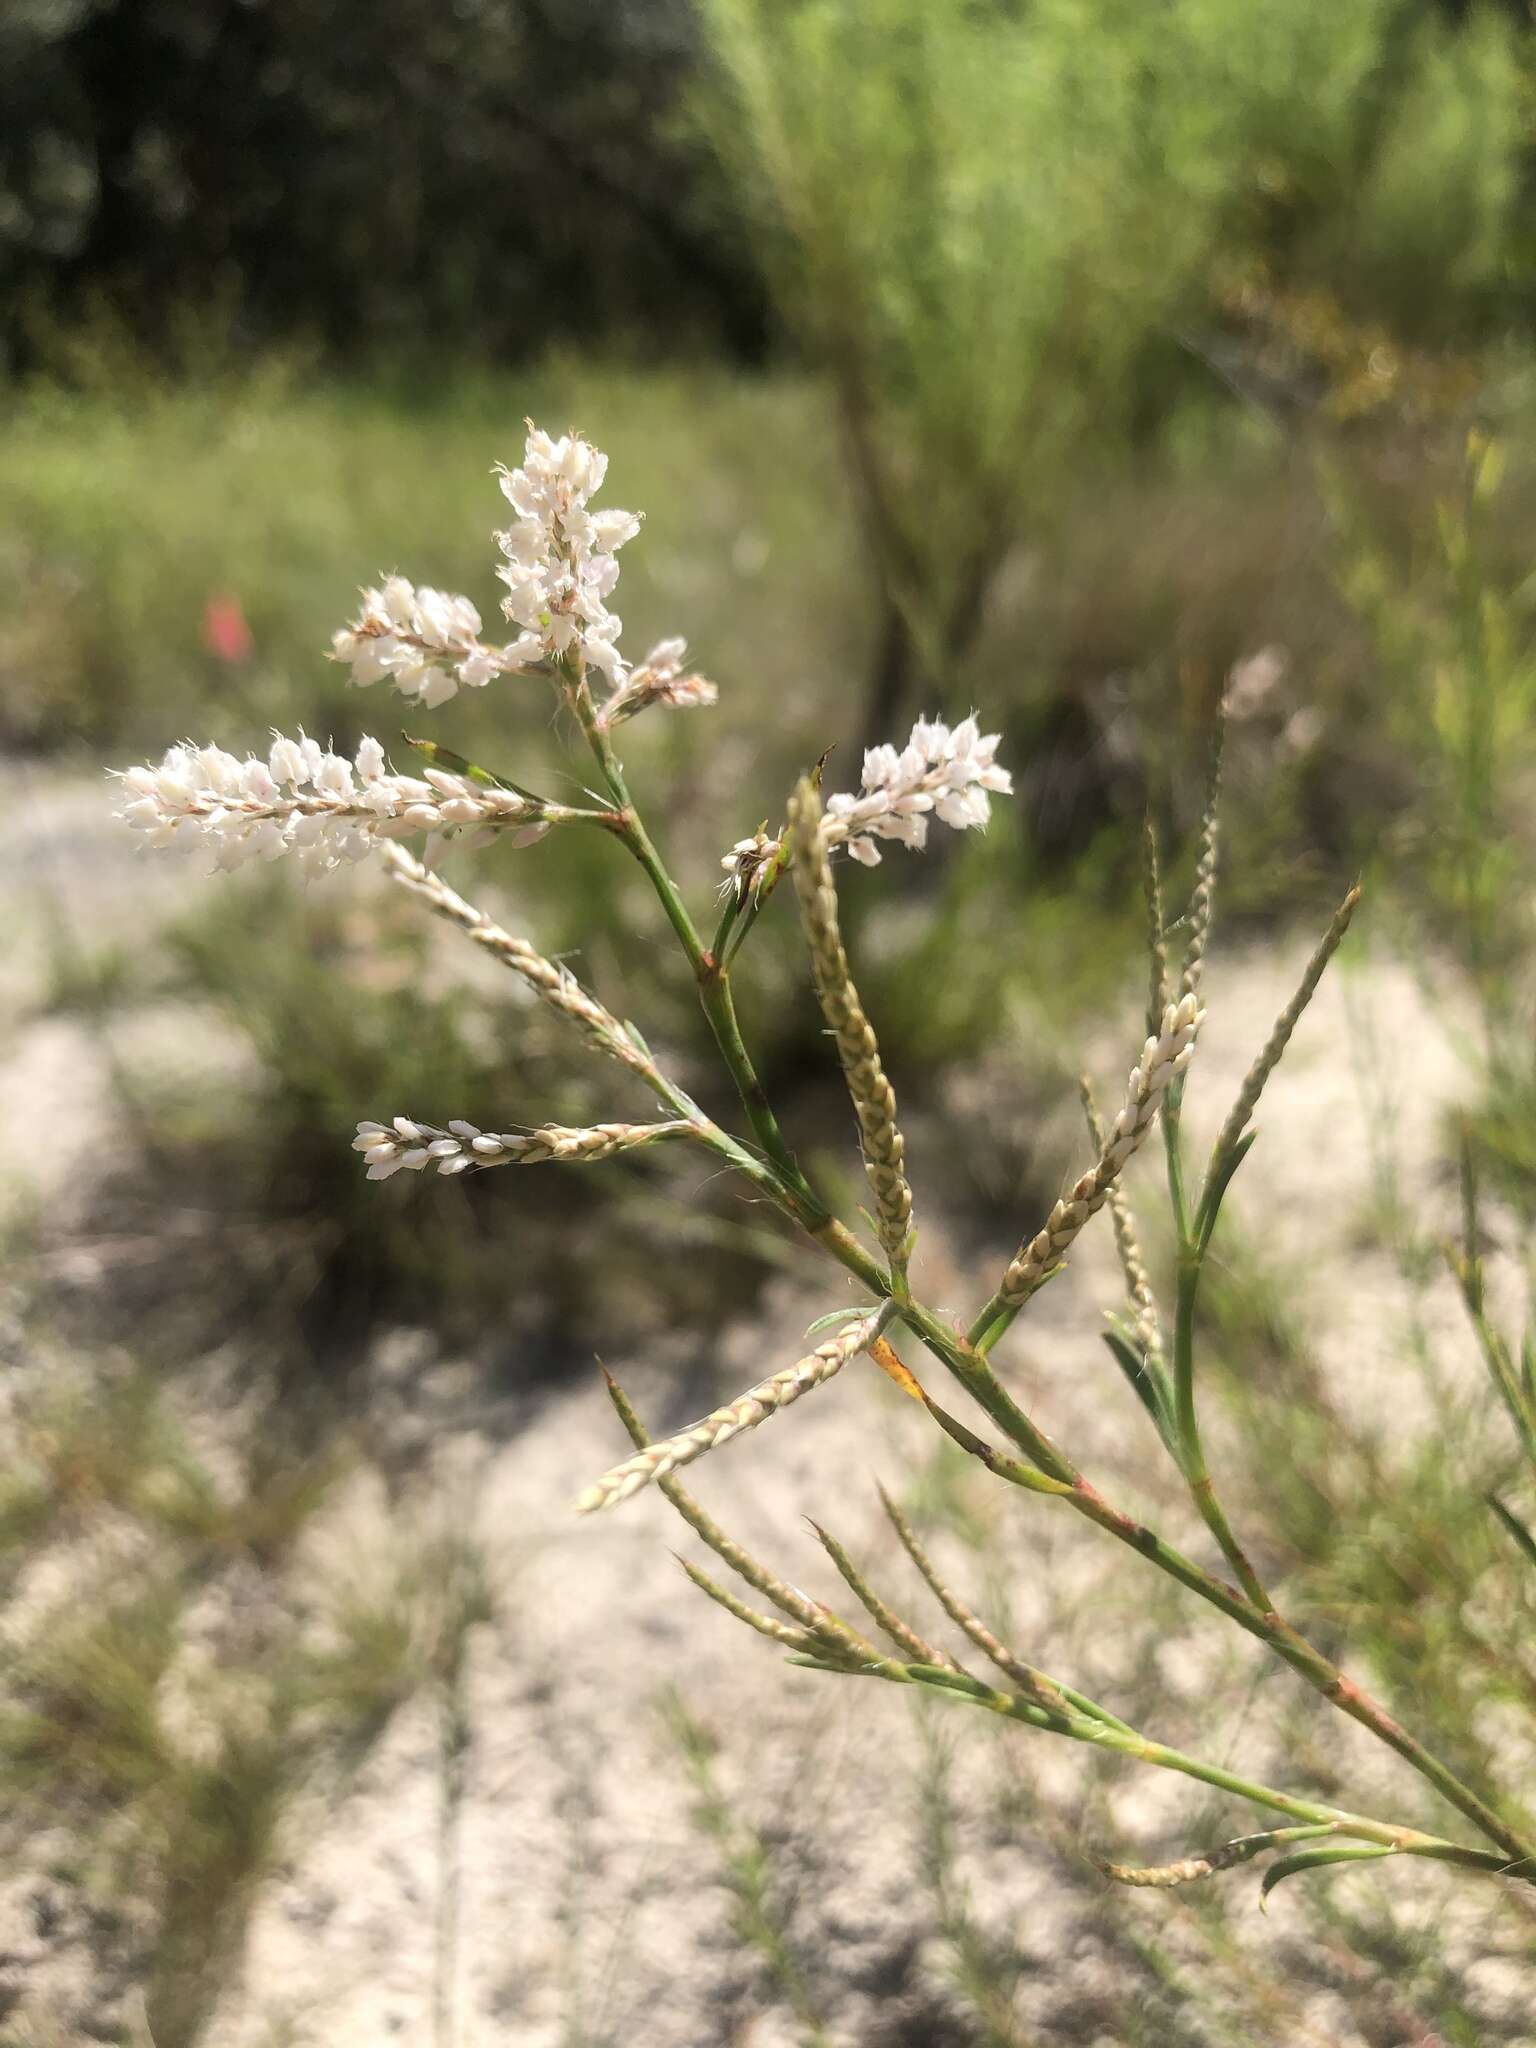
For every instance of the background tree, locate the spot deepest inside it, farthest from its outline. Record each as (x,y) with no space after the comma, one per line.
(1015,236)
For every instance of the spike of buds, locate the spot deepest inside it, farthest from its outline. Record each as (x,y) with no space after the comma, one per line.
(1163,1059)
(464,1147)
(745,1412)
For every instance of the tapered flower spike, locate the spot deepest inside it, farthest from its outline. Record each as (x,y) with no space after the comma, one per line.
(776,1631)
(319,806)
(560,564)
(662,678)
(1157,944)
(1191,1869)
(1138,1286)
(1280,1036)
(745,1412)
(1163,1059)
(1202,901)
(874,1099)
(885,1618)
(1032,1683)
(406,1143)
(427,642)
(552,984)
(946,773)
(834,1636)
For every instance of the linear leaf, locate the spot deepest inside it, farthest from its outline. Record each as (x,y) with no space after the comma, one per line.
(1316,1859)
(1516,1528)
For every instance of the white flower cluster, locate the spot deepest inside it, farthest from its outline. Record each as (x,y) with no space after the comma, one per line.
(305,800)
(426,641)
(560,569)
(660,679)
(946,772)
(943,772)
(407,1145)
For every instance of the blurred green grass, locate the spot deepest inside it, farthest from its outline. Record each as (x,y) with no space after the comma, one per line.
(132,498)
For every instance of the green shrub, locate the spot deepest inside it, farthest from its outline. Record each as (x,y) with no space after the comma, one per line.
(1008,235)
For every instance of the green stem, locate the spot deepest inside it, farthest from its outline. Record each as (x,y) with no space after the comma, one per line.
(1061,1477)
(1501,1369)
(1168,1116)
(1080,1726)
(1293,1649)
(713,982)
(1192,1463)
(720,1008)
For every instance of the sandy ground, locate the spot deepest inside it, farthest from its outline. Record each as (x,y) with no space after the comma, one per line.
(585,1902)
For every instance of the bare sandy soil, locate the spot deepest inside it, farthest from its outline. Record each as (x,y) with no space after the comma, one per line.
(913,1850)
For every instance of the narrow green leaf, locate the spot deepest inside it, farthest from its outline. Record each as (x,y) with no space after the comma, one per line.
(1217,1181)
(1316,1859)
(839,1316)
(1147,1381)
(1516,1528)
(440,756)
(1469,1268)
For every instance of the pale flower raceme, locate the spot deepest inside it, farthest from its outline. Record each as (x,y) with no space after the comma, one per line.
(560,568)
(305,800)
(427,642)
(1163,1059)
(947,773)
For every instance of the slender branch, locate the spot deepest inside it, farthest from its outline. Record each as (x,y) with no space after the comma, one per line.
(1078,1727)
(713,982)
(1304,1658)
(965,1359)
(1191,1449)
(959,1357)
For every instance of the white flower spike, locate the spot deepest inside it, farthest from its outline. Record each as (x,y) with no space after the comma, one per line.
(405,1144)
(560,568)
(305,800)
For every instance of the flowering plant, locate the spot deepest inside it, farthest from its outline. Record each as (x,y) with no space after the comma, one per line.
(560,568)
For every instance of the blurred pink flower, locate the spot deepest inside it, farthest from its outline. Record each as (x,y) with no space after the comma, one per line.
(226,635)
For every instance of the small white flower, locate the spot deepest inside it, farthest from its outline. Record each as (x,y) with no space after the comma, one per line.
(660,679)
(747,866)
